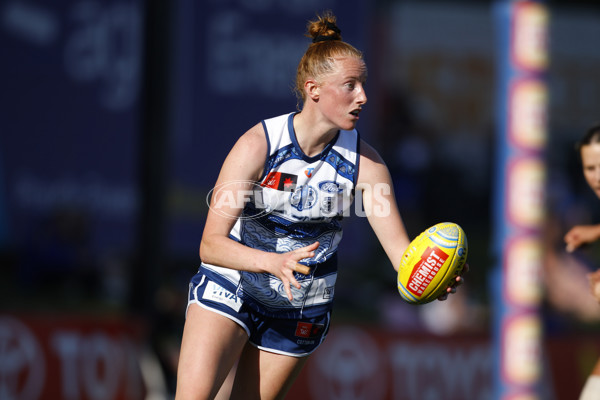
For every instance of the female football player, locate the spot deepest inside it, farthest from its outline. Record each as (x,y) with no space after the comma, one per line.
(263,294)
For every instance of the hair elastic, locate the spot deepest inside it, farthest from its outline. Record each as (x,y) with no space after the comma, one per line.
(330,26)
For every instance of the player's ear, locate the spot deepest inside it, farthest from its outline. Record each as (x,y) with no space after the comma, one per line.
(312,89)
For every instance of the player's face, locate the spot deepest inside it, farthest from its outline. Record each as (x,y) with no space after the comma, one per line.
(590,160)
(342,93)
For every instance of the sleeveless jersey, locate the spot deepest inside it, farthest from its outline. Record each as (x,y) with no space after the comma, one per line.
(298,201)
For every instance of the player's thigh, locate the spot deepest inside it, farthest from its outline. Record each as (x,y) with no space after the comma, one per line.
(265,375)
(210,345)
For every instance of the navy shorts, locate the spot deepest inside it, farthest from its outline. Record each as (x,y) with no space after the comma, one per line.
(291,337)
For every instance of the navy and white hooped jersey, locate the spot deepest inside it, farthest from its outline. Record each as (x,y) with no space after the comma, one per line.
(300,200)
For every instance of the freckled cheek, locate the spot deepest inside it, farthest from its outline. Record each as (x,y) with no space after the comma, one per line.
(334,108)
(338,102)
(339,105)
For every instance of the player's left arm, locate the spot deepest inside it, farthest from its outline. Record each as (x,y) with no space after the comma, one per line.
(379,201)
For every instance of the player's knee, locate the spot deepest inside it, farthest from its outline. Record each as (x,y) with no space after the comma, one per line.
(192,388)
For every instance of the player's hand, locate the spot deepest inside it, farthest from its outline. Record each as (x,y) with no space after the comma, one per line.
(288,263)
(459,281)
(580,235)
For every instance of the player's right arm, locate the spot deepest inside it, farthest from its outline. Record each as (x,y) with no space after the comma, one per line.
(244,166)
(580,235)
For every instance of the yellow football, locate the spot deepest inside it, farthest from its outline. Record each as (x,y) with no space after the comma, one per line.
(432,262)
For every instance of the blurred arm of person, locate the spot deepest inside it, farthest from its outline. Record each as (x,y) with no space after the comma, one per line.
(580,235)
(594,278)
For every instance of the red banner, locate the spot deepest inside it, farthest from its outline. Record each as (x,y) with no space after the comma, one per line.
(66,357)
(361,363)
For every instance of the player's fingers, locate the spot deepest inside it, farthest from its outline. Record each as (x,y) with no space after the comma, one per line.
(289,277)
(303,255)
(296,284)
(288,291)
(297,267)
(465,269)
(311,247)
(459,279)
(306,251)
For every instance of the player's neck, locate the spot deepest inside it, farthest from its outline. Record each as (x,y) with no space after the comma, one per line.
(312,134)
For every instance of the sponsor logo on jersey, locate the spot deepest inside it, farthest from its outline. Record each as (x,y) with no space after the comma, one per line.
(280,181)
(308,330)
(328,293)
(426,269)
(219,294)
(330,187)
(308,172)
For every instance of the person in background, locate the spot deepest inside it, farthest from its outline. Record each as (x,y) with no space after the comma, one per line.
(263,295)
(579,235)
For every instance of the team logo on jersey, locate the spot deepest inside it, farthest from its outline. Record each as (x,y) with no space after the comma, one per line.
(307,330)
(327,204)
(280,181)
(308,172)
(304,197)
